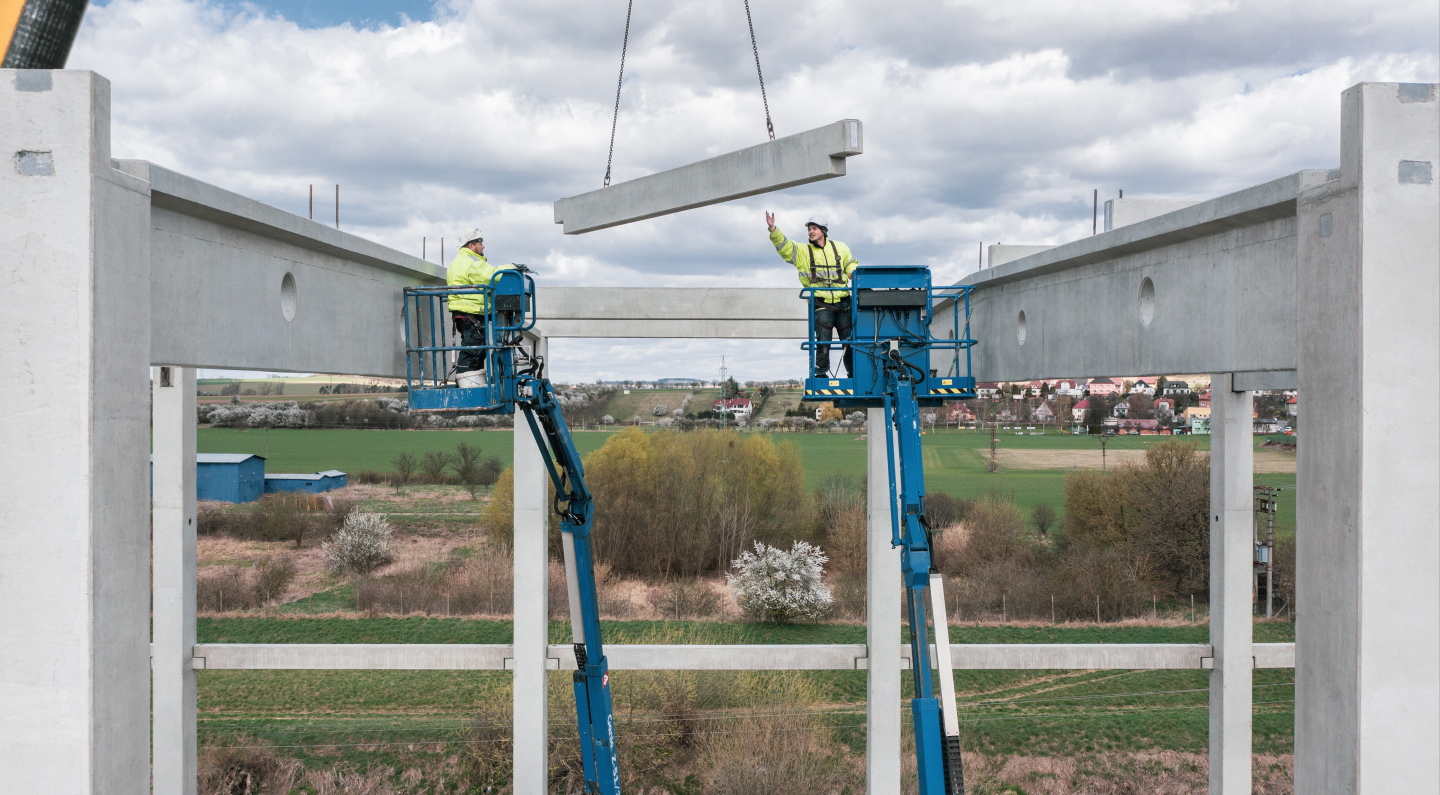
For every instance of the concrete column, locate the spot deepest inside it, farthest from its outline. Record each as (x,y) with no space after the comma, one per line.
(1367,701)
(882,621)
(172,517)
(532,611)
(74,350)
(1232,479)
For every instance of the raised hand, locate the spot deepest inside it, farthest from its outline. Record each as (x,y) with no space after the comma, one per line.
(770,221)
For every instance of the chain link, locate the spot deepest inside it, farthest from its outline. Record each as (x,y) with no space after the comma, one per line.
(618,83)
(769,127)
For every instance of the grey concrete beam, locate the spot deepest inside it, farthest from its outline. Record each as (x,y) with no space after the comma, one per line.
(672,312)
(236,283)
(1232,531)
(173,475)
(1367,696)
(883,608)
(1207,288)
(797,159)
(758,657)
(74,350)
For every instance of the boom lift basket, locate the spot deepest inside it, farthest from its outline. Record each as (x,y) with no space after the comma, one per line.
(430,355)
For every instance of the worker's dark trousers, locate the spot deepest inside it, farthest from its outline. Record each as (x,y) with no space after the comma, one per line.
(472,332)
(832,317)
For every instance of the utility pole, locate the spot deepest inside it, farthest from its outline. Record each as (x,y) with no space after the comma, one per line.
(994,464)
(337,206)
(1267,502)
(1104,441)
(312,201)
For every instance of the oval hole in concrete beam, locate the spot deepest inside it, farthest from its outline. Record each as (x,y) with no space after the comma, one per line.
(1147,301)
(287,297)
(1020,328)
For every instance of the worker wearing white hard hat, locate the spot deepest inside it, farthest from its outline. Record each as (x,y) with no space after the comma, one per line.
(468,311)
(826,266)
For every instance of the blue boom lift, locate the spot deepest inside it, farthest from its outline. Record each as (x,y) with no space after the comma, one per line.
(891,312)
(516,380)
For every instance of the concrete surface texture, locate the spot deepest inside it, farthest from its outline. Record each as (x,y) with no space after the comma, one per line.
(699,312)
(999,254)
(74,319)
(173,750)
(1232,523)
(308,297)
(1130,301)
(1367,702)
(797,159)
(1123,212)
(700,657)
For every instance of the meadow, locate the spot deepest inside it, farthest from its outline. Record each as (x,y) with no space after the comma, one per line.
(955,461)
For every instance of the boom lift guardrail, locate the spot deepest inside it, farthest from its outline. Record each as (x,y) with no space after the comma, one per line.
(516,380)
(891,311)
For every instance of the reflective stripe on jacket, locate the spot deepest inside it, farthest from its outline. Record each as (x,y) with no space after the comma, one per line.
(470,268)
(831,266)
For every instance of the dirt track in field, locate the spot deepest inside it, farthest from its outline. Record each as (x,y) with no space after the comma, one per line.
(1266,461)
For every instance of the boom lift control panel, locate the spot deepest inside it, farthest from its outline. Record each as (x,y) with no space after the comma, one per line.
(893,349)
(515,379)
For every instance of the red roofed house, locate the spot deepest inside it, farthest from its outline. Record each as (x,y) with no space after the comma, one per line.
(1079,409)
(1067,386)
(1163,406)
(738,407)
(959,412)
(987,390)
(1043,413)
(1035,388)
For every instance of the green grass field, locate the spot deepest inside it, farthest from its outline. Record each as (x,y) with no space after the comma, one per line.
(954,461)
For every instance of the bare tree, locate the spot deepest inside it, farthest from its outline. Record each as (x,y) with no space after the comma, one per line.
(405,464)
(434,465)
(1043,517)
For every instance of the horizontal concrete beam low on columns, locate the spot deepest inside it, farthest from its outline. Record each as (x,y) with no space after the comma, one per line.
(671,312)
(797,159)
(774,657)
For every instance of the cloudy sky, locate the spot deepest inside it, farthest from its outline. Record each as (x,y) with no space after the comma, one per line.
(984,121)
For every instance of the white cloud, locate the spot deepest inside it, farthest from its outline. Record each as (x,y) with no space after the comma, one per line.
(984,122)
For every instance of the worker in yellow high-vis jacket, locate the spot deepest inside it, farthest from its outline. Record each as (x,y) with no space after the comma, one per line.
(468,311)
(822,263)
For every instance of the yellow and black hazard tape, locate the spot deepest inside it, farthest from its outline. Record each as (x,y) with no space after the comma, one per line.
(829,391)
(948,391)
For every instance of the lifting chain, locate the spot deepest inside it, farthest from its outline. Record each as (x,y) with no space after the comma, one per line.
(618,83)
(625,44)
(770,128)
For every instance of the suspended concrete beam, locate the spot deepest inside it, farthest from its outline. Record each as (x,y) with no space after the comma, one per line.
(774,165)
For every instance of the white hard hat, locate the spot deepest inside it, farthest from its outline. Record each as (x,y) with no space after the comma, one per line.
(469,235)
(819,221)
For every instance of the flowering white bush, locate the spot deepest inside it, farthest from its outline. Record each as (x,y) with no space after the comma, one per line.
(660,410)
(773,585)
(607,420)
(361,545)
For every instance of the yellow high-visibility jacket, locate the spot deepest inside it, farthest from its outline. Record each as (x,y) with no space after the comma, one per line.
(832,266)
(470,268)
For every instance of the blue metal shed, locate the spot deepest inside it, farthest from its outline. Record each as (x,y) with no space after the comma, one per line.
(225,477)
(313,483)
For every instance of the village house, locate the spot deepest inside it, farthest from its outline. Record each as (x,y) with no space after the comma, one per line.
(1292,405)
(1122,409)
(959,412)
(1035,388)
(1078,411)
(1043,413)
(1173,388)
(1068,387)
(987,391)
(739,408)
(1163,407)
(1104,386)
(1205,399)
(1143,386)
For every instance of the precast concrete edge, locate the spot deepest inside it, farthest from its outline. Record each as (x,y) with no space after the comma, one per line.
(189,196)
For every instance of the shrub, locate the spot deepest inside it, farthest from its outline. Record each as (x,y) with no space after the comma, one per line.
(221,588)
(776,586)
(1043,517)
(685,598)
(434,465)
(660,410)
(272,576)
(361,545)
(278,518)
